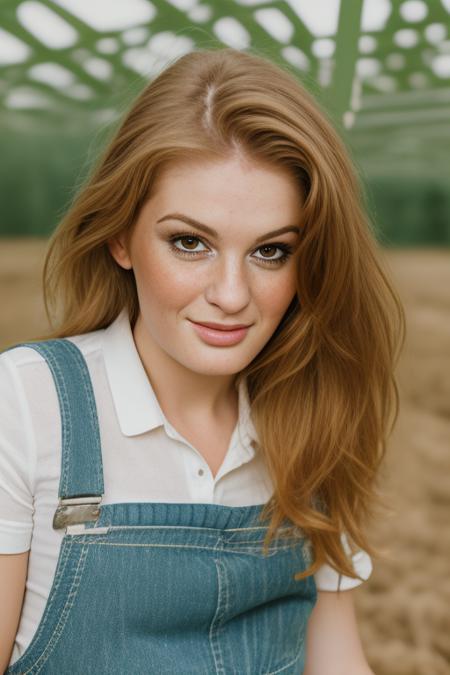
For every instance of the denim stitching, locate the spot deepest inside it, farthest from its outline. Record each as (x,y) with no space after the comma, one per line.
(172,527)
(287,665)
(253,542)
(34,644)
(67,420)
(87,385)
(259,541)
(216,627)
(64,615)
(66,423)
(245,549)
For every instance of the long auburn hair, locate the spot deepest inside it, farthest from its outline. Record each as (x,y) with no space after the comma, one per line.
(322,390)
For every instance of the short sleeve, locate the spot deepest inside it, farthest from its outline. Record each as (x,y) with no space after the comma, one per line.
(328,579)
(17,461)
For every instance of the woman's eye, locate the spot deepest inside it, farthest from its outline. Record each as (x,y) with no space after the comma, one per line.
(272,248)
(190,243)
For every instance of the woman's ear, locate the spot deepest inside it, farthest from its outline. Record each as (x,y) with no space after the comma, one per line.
(118,249)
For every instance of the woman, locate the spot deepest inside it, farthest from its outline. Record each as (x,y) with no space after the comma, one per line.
(190,457)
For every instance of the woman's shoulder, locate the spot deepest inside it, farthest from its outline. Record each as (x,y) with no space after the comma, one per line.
(23,354)
(26,378)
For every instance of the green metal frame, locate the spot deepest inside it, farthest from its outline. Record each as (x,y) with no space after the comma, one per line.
(419,100)
(400,133)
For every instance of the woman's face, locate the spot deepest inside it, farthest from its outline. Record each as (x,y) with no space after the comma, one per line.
(236,272)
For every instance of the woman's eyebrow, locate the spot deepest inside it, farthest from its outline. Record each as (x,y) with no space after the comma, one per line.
(213,233)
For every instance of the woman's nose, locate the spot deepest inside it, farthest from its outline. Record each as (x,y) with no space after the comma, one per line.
(228,285)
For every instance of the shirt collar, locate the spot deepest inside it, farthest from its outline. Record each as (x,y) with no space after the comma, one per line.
(135,402)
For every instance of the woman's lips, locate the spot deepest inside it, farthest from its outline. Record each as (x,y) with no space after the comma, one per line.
(220,338)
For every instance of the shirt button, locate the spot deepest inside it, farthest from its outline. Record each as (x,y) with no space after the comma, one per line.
(200,472)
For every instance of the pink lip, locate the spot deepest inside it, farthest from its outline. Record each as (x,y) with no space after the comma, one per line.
(220,337)
(221,326)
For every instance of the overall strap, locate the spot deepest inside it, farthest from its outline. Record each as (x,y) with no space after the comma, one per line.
(81,483)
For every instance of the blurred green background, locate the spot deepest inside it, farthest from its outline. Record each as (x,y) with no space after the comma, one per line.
(69,69)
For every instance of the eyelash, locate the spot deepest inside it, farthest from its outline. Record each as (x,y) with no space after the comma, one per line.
(286,248)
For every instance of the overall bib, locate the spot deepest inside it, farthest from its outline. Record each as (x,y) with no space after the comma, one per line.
(159,588)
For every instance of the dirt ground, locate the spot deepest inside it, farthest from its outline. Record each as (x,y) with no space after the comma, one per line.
(404,608)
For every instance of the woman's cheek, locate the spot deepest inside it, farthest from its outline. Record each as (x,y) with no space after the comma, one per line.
(275,298)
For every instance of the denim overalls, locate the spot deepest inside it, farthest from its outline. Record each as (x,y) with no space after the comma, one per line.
(159,587)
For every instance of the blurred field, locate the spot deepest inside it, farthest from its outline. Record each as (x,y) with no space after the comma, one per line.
(404,608)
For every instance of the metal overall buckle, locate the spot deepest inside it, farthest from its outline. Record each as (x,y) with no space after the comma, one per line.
(74,510)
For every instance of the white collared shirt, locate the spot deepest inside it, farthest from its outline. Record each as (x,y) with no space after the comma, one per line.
(144,458)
